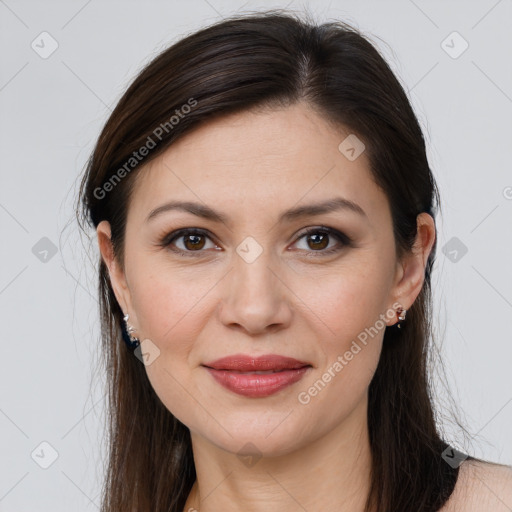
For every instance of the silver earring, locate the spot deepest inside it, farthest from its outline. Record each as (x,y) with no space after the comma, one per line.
(129,330)
(401,316)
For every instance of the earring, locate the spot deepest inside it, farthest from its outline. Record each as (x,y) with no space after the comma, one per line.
(127,331)
(401,316)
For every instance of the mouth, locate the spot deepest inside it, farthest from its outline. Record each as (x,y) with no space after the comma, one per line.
(267,363)
(257,377)
(262,372)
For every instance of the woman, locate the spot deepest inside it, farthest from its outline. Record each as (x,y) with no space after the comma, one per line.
(265,214)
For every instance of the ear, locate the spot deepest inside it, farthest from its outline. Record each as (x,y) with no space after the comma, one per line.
(117,276)
(410,274)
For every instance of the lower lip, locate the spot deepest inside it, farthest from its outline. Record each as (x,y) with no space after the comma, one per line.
(257,384)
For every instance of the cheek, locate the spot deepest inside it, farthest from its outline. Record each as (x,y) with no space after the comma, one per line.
(170,305)
(169,313)
(349,319)
(343,303)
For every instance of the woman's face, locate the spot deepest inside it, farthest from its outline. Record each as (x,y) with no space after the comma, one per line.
(255,283)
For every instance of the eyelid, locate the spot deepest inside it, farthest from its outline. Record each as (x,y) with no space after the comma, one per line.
(166,240)
(343,239)
(331,231)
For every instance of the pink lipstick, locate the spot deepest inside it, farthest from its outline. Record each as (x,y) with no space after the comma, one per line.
(255,377)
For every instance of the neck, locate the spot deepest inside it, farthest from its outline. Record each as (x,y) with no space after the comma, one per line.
(331,473)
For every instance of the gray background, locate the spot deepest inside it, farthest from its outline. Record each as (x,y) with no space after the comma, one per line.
(51,112)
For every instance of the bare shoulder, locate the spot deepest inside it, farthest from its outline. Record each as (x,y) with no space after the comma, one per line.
(481,486)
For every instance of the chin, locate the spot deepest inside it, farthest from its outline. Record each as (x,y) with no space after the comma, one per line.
(260,446)
(264,438)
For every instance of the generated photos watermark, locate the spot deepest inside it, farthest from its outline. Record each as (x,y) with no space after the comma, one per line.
(144,150)
(304,397)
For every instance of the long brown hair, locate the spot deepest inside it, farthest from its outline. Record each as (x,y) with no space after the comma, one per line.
(268,59)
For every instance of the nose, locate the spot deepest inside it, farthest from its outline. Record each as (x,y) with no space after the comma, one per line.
(255,298)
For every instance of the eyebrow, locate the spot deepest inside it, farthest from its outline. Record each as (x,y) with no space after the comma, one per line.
(332,205)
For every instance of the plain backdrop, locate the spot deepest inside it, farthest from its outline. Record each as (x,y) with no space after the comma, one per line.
(52,109)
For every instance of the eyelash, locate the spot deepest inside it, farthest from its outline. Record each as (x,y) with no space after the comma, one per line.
(341,237)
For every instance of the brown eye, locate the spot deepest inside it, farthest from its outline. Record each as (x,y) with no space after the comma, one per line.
(318,240)
(193,241)
(187,241)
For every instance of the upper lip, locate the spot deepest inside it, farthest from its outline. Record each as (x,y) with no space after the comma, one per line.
(244,363)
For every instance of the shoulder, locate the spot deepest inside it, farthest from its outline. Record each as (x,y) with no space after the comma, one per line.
(481,486)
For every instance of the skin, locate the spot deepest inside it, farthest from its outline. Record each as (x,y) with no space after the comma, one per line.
(252,166)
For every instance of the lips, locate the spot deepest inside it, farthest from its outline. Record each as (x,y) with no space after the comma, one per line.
(265,363)
(257,377)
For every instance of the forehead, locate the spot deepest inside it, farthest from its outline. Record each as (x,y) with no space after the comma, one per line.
(258,163)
